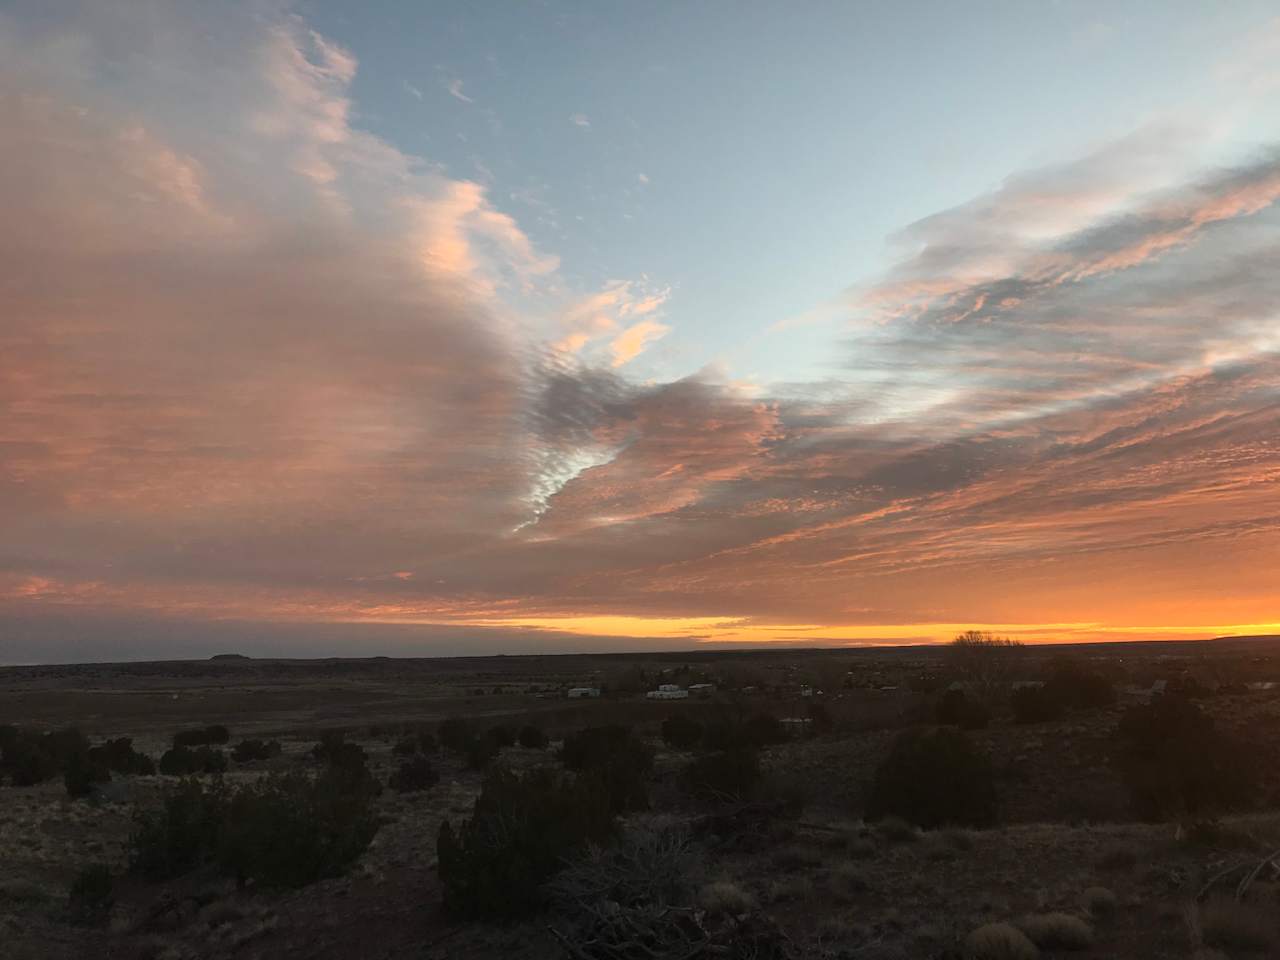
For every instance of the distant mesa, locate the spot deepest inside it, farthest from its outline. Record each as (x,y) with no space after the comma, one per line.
(228,656)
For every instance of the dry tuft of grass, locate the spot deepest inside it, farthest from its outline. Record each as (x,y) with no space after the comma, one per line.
(790,889)
(1232,925)
(1057,930)
(1099,902)
(999,941)
(725,898)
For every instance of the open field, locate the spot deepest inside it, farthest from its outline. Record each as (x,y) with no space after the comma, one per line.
(828,882)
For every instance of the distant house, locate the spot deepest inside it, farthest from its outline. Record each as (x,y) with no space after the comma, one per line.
(806,691)
(578,693)
(668,691)
(702,689)
(795,726)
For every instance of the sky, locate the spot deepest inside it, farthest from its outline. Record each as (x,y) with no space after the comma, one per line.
(447,328)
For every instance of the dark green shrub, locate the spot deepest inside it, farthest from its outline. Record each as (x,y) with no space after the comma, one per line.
(280,831)
(333,749)
(347,762)
(1035,705)
(519,833)
(91,894)
(27,761)
(533,737)
(481,751)
(617,758)
(183,761)
(413,775)
(250,751)
(681,732)
(82,772)
(407,747)
(182,834)
(726,777)
(820,717)
(291,830)
(214,735)
(427,741)
(64,745)
(751,733)
(503,735)
(957,709)
(454,734)
(1077,686)
(1175,762)
(934,778)
(118,756)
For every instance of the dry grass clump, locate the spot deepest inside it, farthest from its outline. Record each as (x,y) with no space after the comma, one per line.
(725,898)
(999,941)
(1099,902)
(790,889)
(1058,930)
(1232,925)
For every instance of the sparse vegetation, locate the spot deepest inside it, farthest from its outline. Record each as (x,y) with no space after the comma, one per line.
(999,941)
(1178,764)
(955,708)
(818,884)
(252,751)
(1099,902)
(286,830)
(91,894)
(681,732)
(1057,931)
(183,761)
(933,778)
(1234,925)
(414,775)
(520,830)
(984,663)
(614,756)
(722,898)
(533,737)
(726,777)
(1036,705)
(215,735)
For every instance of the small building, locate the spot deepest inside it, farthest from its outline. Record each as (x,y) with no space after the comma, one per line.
(579,693)
(668,691)
(702,689)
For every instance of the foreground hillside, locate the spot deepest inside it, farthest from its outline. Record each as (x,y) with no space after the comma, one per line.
(730,839)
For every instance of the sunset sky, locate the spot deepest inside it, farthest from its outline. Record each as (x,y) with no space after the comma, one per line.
(420,328)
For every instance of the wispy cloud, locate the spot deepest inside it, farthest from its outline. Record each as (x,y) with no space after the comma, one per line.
(455,90)
(579,120)
(634,340)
